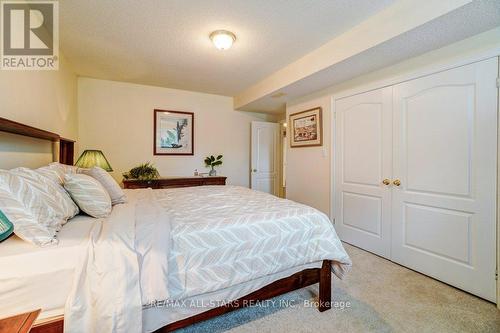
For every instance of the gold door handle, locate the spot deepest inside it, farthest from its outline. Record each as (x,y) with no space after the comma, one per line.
(397,182)
(386,182)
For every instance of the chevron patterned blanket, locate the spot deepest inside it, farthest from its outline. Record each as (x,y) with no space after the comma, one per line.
(167,245)
(221,236)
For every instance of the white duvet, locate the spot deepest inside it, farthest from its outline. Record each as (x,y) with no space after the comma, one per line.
(167,245)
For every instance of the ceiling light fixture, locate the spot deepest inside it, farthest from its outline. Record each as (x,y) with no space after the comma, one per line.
(278,95)
(222,39)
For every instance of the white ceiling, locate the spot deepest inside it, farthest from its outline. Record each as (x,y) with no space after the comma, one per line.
(165,42)
(467,21)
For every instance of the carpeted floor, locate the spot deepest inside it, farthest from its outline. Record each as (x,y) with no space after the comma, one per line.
(376,296)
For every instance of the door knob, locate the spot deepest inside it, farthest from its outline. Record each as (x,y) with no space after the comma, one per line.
(254,170)
(386,181)
(397,182)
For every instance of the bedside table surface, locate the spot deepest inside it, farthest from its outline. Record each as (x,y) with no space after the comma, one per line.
(21,323)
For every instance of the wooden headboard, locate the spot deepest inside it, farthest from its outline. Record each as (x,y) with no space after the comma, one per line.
(66,146)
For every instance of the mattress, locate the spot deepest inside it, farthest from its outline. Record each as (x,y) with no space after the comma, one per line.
(32,277)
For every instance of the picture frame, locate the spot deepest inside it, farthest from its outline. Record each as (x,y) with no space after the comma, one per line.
(306,128)
(173,132)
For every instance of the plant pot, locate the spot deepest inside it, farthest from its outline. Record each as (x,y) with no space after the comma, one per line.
(212,173)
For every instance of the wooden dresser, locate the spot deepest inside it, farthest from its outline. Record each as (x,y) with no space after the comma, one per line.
(172,182)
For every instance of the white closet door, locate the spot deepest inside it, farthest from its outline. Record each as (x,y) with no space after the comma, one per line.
(363,148)
(445,155)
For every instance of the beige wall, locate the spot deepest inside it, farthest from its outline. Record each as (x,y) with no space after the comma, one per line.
(308,171)
(118,119)
(44,99)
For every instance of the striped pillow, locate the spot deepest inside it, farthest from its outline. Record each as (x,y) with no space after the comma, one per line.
(26,225)
(63,204)
(37,209)
(51,174)
(88,194)
(114,190)
(60,169)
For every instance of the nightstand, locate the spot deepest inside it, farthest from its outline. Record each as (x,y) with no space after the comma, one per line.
(20,323)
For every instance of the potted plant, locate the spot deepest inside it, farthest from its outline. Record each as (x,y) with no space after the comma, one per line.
(211,161)
(144,171)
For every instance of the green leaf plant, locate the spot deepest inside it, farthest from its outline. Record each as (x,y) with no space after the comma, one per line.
(212,162)
(144,171)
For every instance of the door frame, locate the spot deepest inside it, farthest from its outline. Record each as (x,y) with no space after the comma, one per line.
(277,158)
(436,67)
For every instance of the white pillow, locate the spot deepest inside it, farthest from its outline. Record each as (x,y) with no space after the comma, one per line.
(63,205)
(62,170)
(114,190)
(26,226)
(35,206)
(88,194)
(52,174)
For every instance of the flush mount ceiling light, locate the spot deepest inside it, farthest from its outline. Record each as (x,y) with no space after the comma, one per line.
(222,39)
(278,95)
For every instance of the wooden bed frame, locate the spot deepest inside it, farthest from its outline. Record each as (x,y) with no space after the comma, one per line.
(296,281)
(66,146)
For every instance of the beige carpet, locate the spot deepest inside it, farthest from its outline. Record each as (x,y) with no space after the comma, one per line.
(383,297)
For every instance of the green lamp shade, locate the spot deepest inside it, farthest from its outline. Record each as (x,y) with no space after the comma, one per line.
(6,227)
(91,158)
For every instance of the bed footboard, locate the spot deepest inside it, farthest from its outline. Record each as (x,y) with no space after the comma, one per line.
(302,279)
(325,286)
(296,281)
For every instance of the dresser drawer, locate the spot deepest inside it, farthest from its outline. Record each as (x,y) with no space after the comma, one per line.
(135,184)
(174,182)
(209,181)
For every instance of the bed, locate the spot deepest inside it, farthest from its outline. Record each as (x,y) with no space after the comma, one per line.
(218,246)
(45,277)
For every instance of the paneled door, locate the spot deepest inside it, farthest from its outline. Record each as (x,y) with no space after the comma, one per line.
(265,158)
(363,170)
(444,186)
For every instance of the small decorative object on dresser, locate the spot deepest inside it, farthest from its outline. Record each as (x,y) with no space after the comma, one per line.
(172,182)
(306,128)
(211,161)
(144,171)
(21,323)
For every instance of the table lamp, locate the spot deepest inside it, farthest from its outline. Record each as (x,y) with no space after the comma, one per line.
(92,158)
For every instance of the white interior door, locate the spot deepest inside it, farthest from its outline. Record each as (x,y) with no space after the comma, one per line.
(265,158)
(445,155)
(363,148)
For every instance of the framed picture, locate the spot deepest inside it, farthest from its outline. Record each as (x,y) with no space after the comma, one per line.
(306,128)
(173,132)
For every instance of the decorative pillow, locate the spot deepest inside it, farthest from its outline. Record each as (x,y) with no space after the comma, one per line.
(34,211)
(52,174)
(108,182)
(88,194)
(63,169)
(6,227)
(61,203)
